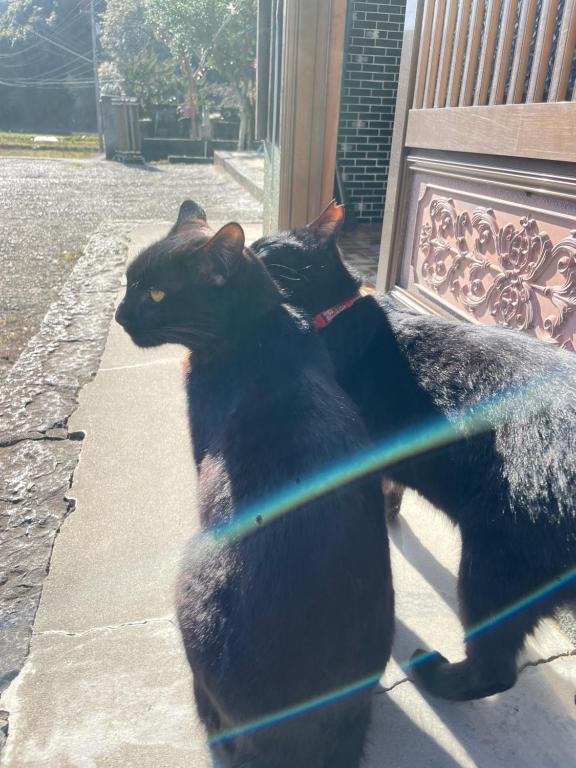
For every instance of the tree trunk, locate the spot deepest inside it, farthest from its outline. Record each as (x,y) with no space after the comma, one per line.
(246,137)
(193,101)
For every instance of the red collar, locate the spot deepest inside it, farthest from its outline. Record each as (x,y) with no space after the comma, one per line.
(324,319)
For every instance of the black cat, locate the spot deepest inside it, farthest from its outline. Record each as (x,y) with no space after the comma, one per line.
(302,607)
(511,489)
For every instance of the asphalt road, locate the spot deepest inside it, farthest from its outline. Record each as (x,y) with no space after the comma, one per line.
(48,209)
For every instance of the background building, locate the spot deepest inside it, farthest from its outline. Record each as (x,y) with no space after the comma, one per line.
(477,188)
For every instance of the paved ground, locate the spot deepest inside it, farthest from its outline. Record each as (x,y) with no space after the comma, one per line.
(247,168)
(37,452)
(38,449)
(106,683)
(48,209)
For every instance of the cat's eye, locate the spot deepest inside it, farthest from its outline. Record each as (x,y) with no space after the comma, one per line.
(157,295)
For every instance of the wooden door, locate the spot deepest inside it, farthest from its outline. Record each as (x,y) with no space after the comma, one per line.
(300,55)
(480,218)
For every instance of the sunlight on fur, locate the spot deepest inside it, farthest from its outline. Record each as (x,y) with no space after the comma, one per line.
(479,419)
(369,682)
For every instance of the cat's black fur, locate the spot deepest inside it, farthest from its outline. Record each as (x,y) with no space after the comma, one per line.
(303,606)
(511,490)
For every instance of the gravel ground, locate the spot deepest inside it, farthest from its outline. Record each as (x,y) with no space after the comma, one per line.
(48,209)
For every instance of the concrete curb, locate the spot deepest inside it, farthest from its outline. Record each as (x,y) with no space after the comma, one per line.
(38,454)
(231,162)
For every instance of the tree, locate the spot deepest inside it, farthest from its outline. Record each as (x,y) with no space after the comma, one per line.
(22,17)
(140,65)
(46,78)
(217,34)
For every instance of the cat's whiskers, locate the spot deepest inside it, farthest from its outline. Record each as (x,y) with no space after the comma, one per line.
(288,269)
(189,330)
(185,335)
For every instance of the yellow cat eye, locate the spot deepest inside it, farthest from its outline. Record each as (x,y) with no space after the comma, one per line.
(157,295)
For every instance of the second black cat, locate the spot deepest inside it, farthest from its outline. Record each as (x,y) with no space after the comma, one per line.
(510,487)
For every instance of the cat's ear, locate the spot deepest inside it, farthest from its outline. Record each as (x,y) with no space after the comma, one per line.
(190,211)
(222,255)
(329,223)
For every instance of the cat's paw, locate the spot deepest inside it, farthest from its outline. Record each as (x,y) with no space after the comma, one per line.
(462,681)
(393,494)
(424,667)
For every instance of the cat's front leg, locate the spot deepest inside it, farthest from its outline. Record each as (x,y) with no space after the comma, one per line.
(488,586)
(460,681)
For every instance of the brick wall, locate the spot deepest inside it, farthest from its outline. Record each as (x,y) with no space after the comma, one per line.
(374,40)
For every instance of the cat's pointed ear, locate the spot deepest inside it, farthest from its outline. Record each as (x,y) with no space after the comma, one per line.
(329,223)
(189,212)
(223,253)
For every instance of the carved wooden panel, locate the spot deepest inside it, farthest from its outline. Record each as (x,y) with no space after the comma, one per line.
(498,262)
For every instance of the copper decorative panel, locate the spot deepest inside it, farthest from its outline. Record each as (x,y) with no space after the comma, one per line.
(497,261)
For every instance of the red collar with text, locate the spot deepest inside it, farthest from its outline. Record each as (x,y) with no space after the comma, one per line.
(323,319)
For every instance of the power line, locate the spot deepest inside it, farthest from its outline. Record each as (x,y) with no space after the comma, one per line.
(61,24)
(68,17)
(60,83)
(32,61)
(59,45)
(19,53)
(72,76)
(61,32)
(56,85)
(38,61)
(68,68)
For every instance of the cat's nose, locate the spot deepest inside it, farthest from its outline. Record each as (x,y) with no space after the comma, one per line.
(121,315)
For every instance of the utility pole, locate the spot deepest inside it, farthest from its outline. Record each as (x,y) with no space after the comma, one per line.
(96,80)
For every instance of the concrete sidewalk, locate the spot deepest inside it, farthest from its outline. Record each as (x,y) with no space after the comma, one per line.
(106,682)
(246,168)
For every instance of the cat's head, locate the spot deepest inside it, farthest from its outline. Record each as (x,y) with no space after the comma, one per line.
(307,264)
(184,289)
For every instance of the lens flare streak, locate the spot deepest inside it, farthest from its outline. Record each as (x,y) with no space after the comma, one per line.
(407,445)
(369,682)
(483,417)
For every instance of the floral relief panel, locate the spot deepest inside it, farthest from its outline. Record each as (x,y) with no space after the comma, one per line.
(499,263)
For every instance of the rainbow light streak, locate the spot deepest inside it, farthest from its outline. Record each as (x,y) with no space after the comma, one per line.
(414,442)
(520,605)
(483,417)
(297,711)
(368,682)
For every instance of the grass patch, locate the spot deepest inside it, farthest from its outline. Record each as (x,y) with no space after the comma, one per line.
(70,256)
(23,145)
(70,155)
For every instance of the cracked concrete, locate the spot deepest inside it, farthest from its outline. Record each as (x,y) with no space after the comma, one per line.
(547,660)
(114,696)
(38,453)
(92,630)
(39,392)
(531,726)
(522,668)
(106,682)
(6,441)
(106,668)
